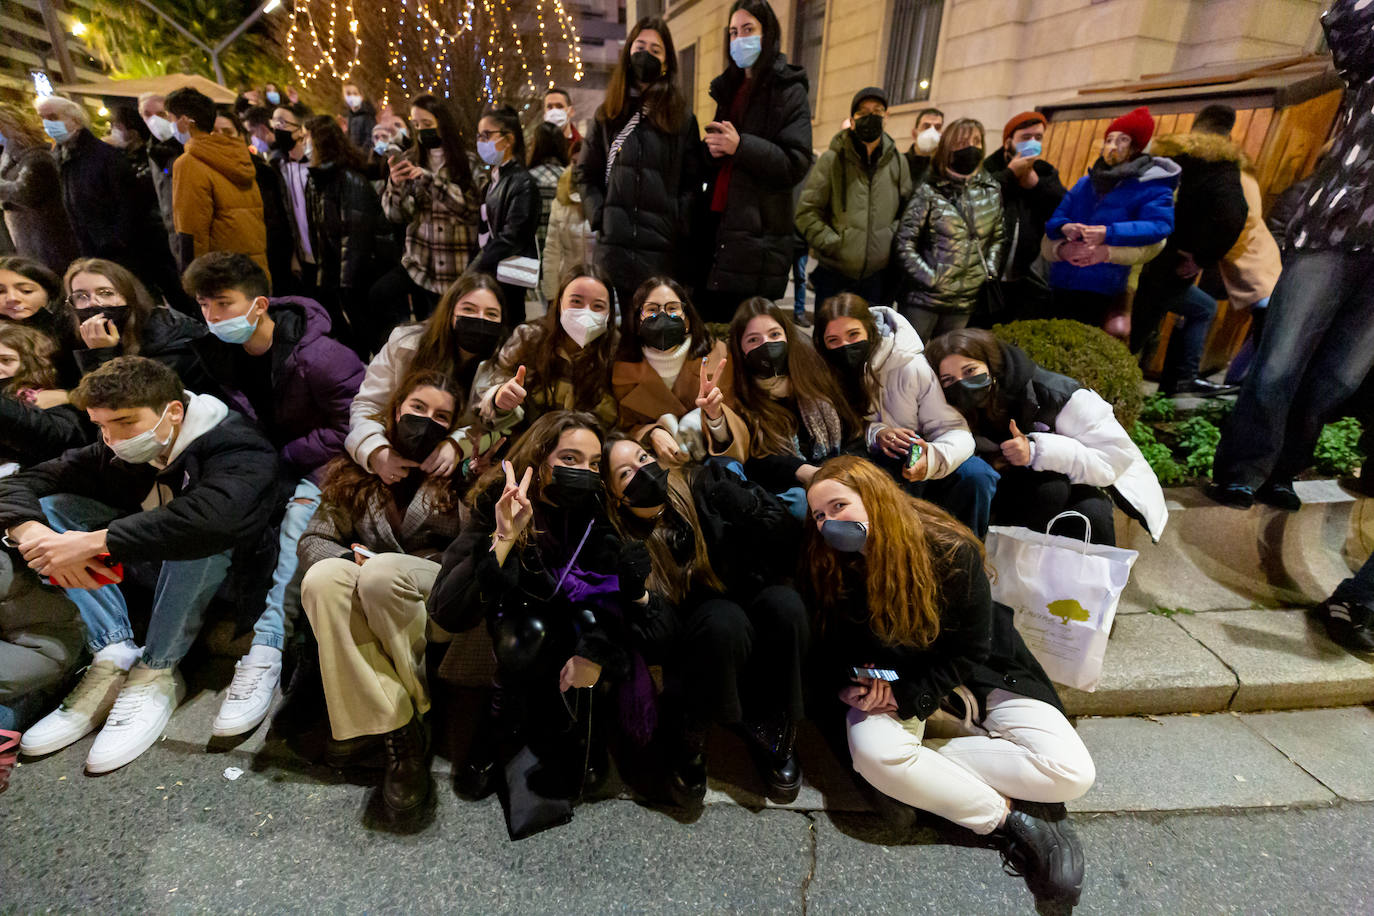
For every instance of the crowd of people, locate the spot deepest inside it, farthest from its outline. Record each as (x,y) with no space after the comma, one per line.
(261,360)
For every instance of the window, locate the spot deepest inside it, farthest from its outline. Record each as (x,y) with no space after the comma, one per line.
(807,42)
(687,75)
(911,49)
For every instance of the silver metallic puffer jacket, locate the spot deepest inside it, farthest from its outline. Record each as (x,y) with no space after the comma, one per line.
(950,242)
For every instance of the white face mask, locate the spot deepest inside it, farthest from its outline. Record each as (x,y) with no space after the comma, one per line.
(927,140)
(354,101)
(159,127)
(558,117)
(145,446)
(584,325)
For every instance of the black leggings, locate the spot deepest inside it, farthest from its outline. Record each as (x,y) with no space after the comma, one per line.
(1029,499)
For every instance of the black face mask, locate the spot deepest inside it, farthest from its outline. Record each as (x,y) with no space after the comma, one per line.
(767,360)
(644,67)
(416,436)
(118,315)
(574,488)
(851,357)
(663,331)
(869,127)
(965,161)
(283,140)
(477,336)
(428,137)
(649,487)
(970,393)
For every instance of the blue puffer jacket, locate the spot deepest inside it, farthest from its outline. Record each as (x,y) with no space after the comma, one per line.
(1138,211)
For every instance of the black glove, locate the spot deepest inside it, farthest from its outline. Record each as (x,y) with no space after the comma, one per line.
(633,566)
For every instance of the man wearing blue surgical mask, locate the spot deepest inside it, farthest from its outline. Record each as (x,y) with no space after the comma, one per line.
(177,482)
(1031,191)
(274,361)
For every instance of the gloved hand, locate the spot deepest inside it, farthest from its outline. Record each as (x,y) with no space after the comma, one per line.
(633,566)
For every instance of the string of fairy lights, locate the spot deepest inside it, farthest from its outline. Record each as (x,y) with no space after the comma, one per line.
(428,40)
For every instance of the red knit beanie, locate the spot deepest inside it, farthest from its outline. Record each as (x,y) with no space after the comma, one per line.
(1138,125)
(1024,119)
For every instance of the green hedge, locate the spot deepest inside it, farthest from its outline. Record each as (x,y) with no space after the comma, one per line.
(1090,355)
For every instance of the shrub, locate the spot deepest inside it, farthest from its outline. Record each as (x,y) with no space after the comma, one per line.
(1338,447)
(1157,455)
(1158,407)
(1198,439)
(1087,354)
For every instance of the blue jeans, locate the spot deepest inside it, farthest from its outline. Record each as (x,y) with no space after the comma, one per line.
(965,493)
(799,284)
(1317,348)
(284,599)
(1184,359)
(1359,588)
(183,592)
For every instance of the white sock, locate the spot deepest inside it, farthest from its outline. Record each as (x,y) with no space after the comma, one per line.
(263,655)
(124,654)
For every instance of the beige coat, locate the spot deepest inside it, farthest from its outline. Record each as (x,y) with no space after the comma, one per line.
(1251,268)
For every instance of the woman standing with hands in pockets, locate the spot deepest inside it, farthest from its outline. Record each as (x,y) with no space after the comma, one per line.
(759,148)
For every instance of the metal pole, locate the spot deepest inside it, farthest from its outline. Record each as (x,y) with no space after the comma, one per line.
(176,25)
(59,41)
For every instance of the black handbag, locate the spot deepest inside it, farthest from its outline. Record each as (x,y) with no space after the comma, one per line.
(532,797)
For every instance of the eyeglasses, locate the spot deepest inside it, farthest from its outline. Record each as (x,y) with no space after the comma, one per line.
(278,124)
(649,309)
(485,135)
(80,299)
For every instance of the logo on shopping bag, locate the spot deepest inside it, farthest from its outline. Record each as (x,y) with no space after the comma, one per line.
(1067,609)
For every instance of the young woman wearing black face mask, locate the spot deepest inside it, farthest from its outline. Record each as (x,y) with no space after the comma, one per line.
(641,164)
(917,649)
(564,601)
(370,559)
(950,238)
(924,443)
(1057,445)
(664,349)
(723,551)
(794,412)
(460,340)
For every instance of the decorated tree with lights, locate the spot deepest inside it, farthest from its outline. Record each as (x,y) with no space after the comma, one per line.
(473,52)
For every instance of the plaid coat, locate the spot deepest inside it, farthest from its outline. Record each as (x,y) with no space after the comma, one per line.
(441,227)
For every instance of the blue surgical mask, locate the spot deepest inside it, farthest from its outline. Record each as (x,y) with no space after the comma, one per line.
(745,50)
(182,138)
(844,536)
(380,147)
(488,152)
(2,139)
(236,330)
(1028,148)
(274,98)
(261,146)
(56,129)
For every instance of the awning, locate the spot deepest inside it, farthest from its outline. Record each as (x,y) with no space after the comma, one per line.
(162,85)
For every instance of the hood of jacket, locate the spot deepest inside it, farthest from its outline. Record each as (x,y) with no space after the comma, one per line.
(301,320)
(203,413)
(898,342)
(781,74)
(166,328)
(229,158)
(1203,146)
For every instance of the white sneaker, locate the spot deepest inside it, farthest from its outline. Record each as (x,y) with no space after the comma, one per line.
(137,719)
(249,695)
(80,713)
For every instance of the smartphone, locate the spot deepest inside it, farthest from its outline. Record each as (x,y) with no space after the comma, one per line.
(875,674)
(363,551)
(712,130)
(115,567)
(917,450)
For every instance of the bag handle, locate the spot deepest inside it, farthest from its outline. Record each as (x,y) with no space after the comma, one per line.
(1087,525)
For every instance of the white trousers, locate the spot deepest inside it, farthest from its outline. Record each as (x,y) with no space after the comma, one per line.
(966,771)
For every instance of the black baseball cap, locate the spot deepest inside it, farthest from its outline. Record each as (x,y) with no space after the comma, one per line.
(872,92)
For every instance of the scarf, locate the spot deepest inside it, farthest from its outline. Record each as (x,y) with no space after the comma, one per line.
(1105,177)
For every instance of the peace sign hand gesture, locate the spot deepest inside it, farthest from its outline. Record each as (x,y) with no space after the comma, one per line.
(710,399)
(513,509)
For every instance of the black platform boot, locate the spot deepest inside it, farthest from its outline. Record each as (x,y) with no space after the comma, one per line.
(406,783)
(1039,843)
(773,746)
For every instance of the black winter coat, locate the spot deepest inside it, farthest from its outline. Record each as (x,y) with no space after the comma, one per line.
(1210,207)
(281,243)
(221,486)
(30,434)
(1025,210)
(754,242)
(513,208)
(167,336)
(977,646)
(643,212)
(100,194)
(360,124)
(348,234)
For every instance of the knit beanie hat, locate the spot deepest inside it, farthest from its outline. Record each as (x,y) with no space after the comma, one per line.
(1138,125)
(1024,119)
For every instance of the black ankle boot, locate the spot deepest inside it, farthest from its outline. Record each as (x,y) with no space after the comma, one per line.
(687,766)
(406,782)
(773,746)
(1041,846)
(475,777)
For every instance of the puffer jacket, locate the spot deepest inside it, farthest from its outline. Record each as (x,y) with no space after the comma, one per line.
(347,230)
(570,239)
(1210,208)
(848,213)
(1138,211)
(950,242)
(910,396)
(753,245)
(1337,215)
(642,210)
(216,204)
